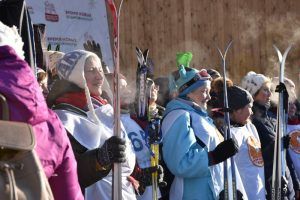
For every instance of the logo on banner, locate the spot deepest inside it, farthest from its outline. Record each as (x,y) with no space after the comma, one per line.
(254,150)
(50,13)
(295,141)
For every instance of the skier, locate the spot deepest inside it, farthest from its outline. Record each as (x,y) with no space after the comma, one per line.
(259,86)
(136,133)
(292,128)
(42,78)
(88,120)
(27,104)
(51,58)
(192,146)
(249,160)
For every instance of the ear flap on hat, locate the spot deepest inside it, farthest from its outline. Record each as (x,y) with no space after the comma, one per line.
(182,71)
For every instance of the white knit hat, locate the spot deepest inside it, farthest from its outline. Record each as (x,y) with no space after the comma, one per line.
(10,36)
(71,67)
(253,82)
(52,58)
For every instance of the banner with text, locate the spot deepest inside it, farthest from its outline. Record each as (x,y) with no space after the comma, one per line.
(72,23)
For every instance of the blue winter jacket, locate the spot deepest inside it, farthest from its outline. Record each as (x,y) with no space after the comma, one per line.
(184,157)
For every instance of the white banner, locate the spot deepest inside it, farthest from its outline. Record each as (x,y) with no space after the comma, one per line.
(70,23)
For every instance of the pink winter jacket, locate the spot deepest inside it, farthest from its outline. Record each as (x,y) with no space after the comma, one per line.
(26,104)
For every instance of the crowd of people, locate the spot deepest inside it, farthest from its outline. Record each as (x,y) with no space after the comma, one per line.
(68,102)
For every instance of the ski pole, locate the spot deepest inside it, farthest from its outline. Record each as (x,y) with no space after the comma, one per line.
(144,87)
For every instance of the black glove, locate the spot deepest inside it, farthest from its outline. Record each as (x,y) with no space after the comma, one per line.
(238,193)
(144,176)
(223,151)
(281,88)
(113,150)
(94,47)
(286,141)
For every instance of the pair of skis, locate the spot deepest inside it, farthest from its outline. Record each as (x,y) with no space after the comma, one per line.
(117,172)
(230,186)
(279,160)
(143,112)
(142,102)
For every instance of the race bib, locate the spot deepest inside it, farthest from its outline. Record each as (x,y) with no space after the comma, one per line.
(295,141)
(254,150)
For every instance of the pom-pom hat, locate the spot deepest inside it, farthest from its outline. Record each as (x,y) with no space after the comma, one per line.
(189,78)
(252,82)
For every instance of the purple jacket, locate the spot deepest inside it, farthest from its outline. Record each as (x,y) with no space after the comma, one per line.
(27,104)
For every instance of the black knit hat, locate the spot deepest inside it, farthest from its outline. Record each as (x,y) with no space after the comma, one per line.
(237,97)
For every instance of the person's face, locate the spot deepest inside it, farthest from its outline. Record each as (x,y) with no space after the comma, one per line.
(200,96)
(292,109)
(242,115)
(53,72)
(264,94)
(153,92)
(126,95)
(44,86)
(94,76)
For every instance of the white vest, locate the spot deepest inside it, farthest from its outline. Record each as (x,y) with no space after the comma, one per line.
(249,161)
(137,137)
(91,136)
(294,148)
